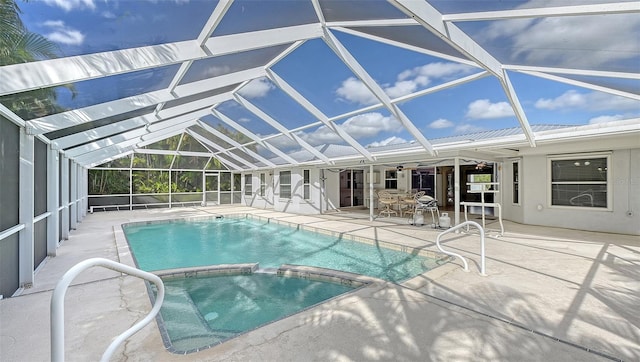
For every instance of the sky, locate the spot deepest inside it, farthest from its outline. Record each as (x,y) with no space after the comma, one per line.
(314,70)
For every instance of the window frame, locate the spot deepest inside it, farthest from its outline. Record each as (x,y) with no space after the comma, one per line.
(516,177)
(306,184)
(248,184)
(570,157)
(281,194)
(263,184)
(391,176)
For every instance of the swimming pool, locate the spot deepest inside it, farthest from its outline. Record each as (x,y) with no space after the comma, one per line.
(232,240)
(196,316)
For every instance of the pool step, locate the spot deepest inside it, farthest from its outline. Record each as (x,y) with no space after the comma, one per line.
(187,320)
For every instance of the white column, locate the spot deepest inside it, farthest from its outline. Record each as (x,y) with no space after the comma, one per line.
(131,186)
(73,195)
(456,189)
(64,179)
(53,200)
(27,208)
(79,192)
(85,191)
(371,192)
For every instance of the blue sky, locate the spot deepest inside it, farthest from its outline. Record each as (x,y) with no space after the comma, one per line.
(86,26)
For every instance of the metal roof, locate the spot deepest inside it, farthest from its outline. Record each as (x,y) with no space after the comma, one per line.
(265,84)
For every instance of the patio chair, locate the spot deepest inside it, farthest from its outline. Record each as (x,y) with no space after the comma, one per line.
(411,202)
(385,198)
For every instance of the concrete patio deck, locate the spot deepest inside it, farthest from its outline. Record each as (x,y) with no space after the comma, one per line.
(549,294)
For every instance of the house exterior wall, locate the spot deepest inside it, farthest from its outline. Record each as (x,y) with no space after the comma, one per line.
(623,215)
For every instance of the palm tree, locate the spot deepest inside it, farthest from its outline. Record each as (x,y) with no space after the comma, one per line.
(19,45)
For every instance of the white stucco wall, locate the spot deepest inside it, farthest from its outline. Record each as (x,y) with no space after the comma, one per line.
(624,214)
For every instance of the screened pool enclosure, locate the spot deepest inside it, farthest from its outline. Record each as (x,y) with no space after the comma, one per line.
(121,105)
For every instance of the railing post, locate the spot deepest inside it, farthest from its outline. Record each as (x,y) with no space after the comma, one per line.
(464,261)
(57,305)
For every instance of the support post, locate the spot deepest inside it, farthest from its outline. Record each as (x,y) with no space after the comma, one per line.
(73,195)
(53,200)
(27,208)
(456,188)
(370,192)
(64,180)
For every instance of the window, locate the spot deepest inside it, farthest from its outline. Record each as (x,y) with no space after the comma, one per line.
(515,166)
(285,184)
(391,179)
(263,184)
(306,186)
(248,186)
(580,181)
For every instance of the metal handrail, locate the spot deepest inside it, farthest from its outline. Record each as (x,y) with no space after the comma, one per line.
(459,226)
(57,305)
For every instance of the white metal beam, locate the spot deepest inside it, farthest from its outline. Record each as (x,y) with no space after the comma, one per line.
(234,143)
(410,47)
(572,71)
(252,135)
(106,142)
(109,159)
(170,129)
(371,84)
(221,150)
(213,21)
(517,109)
(578,83)
(21,77)
(577,10)
(318,114)
(109,109)
(149,151)
(431,19)
(174,114)
(265,117)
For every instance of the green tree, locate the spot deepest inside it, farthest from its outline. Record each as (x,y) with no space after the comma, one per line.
(19,45)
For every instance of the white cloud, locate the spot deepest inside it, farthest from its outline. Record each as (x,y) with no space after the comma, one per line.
(592,101)
(408,81)
(360,126)
(467,128)
(605,119)
(569,99)
(108,15)
(353,90)
(68,5)
(370,124)
(217,70)
(484,109)
(441,123)
(60,33)
(401,88)
(579,41)
(393,140)
(257,88)
(440,70)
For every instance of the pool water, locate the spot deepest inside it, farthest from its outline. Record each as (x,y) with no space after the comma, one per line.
(204,311)
(159,246)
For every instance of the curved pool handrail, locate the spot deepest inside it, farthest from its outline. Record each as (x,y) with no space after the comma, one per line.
(57,305)
(459,226)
